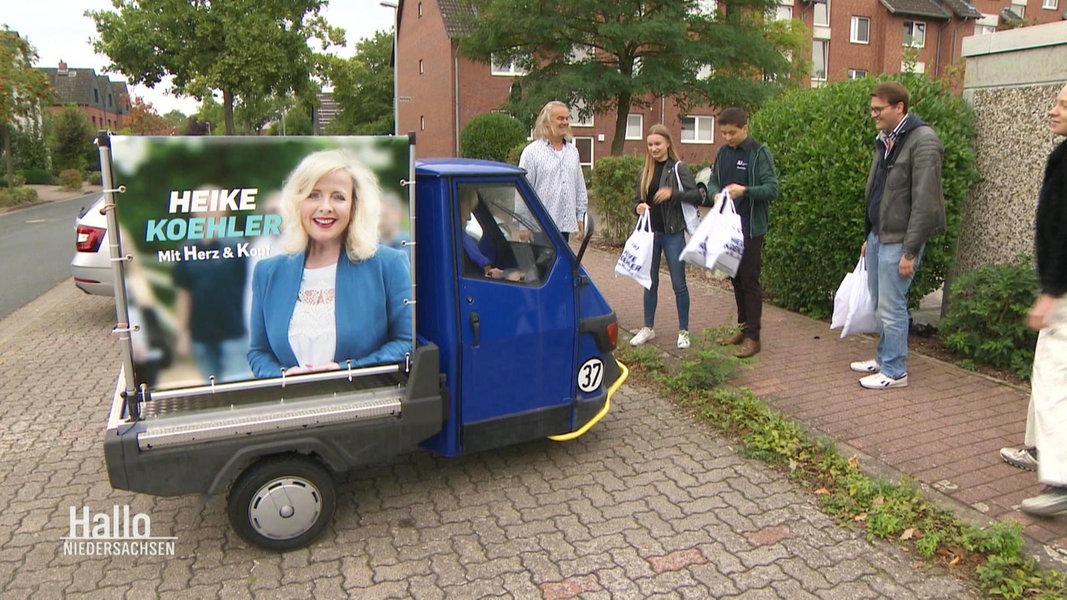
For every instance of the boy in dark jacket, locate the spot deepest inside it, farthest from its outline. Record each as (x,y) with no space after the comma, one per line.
(744,168)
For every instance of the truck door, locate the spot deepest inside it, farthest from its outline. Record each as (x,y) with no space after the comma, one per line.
(517,318)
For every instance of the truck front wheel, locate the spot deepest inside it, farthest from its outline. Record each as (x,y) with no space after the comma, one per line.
(282,503)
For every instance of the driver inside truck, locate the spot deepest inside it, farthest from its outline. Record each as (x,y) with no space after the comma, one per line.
(474,259)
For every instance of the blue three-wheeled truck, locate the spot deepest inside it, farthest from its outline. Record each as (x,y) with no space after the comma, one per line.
(501,356)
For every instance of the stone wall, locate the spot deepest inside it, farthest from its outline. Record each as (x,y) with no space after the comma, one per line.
(1011,80)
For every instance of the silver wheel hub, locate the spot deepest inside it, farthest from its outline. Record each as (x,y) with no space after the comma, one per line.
(285,508)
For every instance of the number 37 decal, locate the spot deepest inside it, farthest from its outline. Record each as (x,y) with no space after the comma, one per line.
(590,375)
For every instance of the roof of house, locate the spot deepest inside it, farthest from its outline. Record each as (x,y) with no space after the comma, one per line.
(77,86)
(453,12)
(918,8)
(963,9)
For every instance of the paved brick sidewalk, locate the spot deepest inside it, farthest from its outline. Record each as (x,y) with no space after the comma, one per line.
(944,430)
(646,505)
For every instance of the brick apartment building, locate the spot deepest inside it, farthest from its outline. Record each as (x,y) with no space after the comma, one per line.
(440,91)
(104,102)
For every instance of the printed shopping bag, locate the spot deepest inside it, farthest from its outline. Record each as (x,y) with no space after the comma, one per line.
(726,241)
(696,249)
(854,308)
(636,259)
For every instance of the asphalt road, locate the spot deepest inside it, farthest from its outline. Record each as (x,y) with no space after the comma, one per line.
(36,245)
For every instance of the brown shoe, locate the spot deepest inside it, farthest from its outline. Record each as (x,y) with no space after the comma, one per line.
(734,339)
(749,348)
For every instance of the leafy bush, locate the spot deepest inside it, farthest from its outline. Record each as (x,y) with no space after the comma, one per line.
(611,195)
(515,153)
(491,136)
(986,319)
(94,178)
(17,196)
(70,179)
(817,222)
(39,176)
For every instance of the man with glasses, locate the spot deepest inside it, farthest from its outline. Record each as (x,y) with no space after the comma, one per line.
(905,206)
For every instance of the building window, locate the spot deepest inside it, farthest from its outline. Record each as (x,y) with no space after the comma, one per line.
(584,146)
(581,53)
(915,34)
(422,67)
(822,13)
(635,127)
(502,68)
(780,12)
(420,10)
(986,25)
(698,130)
(422,122)
(1049,4)
(820,52)
(577,110)
(96,97)
(917,67)
(860,32)
(1019,7)
(857,73)
(705,7)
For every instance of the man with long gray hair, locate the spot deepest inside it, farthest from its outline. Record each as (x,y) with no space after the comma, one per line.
(555,170)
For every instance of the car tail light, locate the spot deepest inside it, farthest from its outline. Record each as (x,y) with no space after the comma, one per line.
(613,334)
(88,239)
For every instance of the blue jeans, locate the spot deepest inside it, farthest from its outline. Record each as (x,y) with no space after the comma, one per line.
(671,245)
(227,360)
(891,292)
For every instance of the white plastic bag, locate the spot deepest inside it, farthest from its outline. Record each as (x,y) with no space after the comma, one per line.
(725,242)
(636,259)
(854,308)
(690,212)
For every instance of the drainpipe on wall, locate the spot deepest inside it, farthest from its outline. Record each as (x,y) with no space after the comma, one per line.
(937,55)
(455,92)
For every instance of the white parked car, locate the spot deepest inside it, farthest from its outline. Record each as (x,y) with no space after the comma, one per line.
(91,265)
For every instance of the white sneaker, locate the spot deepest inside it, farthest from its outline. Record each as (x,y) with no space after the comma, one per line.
(642,336)
(683,339)
(865,366)
(879,381)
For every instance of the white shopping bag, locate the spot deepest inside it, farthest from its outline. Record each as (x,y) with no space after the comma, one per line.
(690,212)
(726,241)
(636,259)
(696,249)
(854,308)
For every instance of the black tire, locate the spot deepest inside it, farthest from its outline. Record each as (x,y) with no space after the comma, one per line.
(282,503)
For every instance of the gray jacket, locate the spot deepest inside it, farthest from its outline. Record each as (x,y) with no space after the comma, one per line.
(674,220)
(913,202)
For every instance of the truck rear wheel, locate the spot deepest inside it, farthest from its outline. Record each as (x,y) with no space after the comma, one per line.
(282,503)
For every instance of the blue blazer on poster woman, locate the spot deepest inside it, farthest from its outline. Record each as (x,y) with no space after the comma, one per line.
(373,321)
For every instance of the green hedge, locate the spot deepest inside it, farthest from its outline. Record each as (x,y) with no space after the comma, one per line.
(611,194)
(987,315)
(491,136)
(822,140)
(17,196)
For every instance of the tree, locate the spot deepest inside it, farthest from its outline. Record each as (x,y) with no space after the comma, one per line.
(614,56)
(71,139)
(244,49)
(144,120)
(363,88)
(22,89)
(176,119)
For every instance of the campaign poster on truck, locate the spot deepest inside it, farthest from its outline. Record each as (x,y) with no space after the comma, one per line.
(263,257)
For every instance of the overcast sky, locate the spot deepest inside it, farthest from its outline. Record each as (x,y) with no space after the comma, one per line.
(59,30)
